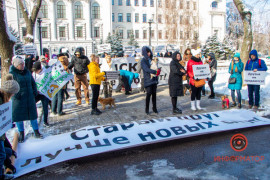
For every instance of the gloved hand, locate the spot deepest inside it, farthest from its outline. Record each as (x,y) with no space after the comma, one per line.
(158,72)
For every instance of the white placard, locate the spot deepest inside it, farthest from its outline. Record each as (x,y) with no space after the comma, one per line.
(103,48)
(30,49)
(254,78)
(112,75)
(90,140)
(201,71)
(5,117)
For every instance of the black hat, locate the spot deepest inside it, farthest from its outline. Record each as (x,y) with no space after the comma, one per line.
(36,66)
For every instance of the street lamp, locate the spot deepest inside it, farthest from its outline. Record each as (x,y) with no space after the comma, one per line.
(39,20)
(150,21)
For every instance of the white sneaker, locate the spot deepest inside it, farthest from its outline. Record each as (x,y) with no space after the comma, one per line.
(193,107)
(198,102)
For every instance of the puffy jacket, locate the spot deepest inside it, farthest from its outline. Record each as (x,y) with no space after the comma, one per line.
(145,63)
(191,62)
(79,63)
(238,74)
(129,75)
(254,64)
(94,73)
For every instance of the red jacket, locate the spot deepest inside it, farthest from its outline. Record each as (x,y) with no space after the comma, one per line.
(190,70)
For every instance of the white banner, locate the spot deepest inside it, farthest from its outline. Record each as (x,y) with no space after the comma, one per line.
(254,78)
(103,48)
(201,71)
(38,153)
(52,80)
(30,49)
(5,117)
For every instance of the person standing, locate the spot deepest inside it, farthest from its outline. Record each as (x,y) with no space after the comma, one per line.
(211,60)
(95,80)
(150,84)
(175,80)
(235,69)
(195,91)
(79,61)
(254,64)
(23,103)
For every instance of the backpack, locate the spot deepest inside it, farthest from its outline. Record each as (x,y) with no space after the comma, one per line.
(260,62)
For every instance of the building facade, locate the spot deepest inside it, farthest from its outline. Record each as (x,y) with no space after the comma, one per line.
(68,24)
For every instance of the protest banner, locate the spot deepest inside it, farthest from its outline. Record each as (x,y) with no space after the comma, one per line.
(30,49)
(103,48)
(52,80)
(90,140)
(201,71)
(254,78)
(129,50)
(5,117)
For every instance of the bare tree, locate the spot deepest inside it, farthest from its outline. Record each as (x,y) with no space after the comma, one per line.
(7,41)
(248,37)
(30,19)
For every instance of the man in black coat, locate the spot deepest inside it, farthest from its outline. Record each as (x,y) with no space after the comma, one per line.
(80,62)
(211,60)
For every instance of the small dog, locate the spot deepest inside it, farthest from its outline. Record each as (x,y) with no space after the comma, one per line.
(154,66)
(106,101)
(186,87)
(225,102)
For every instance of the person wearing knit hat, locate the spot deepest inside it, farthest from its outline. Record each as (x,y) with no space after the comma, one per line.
(17,60)
(195,91)
(10,86)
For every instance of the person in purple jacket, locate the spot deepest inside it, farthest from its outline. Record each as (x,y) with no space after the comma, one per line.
(254,64)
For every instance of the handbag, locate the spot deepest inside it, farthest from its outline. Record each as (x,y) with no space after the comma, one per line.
(199,83)
(232,80)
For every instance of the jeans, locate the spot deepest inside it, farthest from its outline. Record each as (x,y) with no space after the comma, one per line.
(2,156)
(57,102)
(95,92)
(254,89)
(45,103)
(20,125)
(238,95)
(195,93)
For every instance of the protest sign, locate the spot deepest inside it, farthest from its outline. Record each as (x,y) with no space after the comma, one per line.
(254,78)
(201,71)
(5,117)
(103,48)
(30,49)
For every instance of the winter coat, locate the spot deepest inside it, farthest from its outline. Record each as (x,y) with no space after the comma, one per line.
(129,75)
(254,64)
(238,75)
(23,103)
(79,63)
(191,62)
(95,75)
(175,77)
(139,68)
(146,61)
(213,67)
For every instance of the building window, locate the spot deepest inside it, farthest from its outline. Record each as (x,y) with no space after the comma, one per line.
(187,35)
(61,10)
(181,5)
(44,9)
(214,4)
(112,2)
(129,32)
(188,5)
(137,34)
(152,3)
(20,12)
(62,32)
(24,31)
(121,33)
(166,35)
(159,18)
(152,33)
(144,18)
(120,17)
(96,32)
(167,4)
(120,2)
(44,32)
(127,2)
(79,31)
(112,17)
(181,34)
(181,19)
(159,3)
(136,2)
(194,20)
(144,34)
(195,6)
(96,11)
(128,17)
(160,34)
(144,3)
(78,10)
(136,17)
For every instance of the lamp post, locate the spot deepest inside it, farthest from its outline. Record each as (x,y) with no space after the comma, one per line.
(39,20)
(150,21)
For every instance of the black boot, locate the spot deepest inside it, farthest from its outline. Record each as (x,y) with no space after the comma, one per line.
(239,106)
(46,124)
(98,111)
(177,111)
(21,137)
(212,96)
(155,110)
(147,111)
(37,134)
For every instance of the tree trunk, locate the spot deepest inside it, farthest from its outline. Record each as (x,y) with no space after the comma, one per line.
(248,37)
(6,44)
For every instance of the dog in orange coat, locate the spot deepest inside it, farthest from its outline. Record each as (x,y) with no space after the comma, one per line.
(225,102)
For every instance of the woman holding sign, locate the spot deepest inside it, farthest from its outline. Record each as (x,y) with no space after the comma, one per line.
(195,84)
(235,81)
(23,103)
